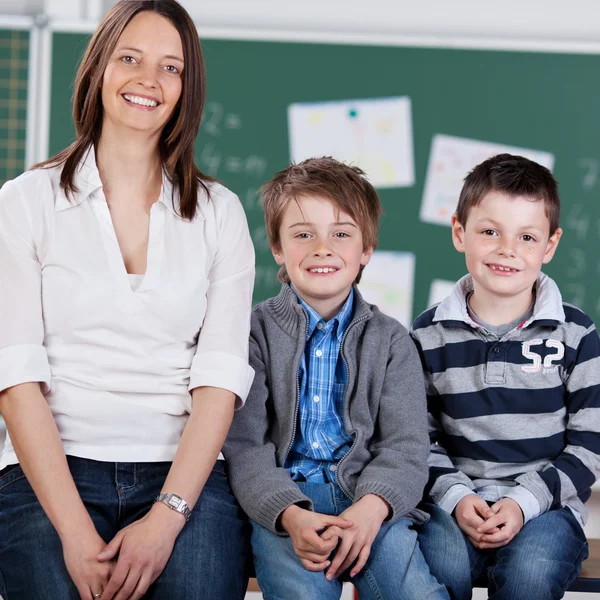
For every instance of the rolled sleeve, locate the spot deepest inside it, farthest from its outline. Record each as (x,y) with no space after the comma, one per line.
(453,496)
(23,357)
(23,364)
(221,358)
(527,501)
(218,369)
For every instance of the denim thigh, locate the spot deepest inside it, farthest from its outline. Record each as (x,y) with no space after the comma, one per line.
(212,549)
(211,557)
(31,558)
(452,559)
(395,569)
(541,561)
(279,571)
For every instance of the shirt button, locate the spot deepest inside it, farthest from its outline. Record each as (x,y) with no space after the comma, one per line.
(316,398)
(496,350)
(315,444)
(333,468)
(319,325)
(319,353)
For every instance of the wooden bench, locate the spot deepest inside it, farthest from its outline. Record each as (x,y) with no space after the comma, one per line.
(588,580)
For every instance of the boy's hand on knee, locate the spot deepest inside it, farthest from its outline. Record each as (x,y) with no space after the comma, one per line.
(304,527)
(367,515)
(470,513)
(506,521)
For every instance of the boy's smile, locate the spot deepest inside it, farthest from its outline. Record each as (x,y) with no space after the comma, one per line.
(506,240)
(322,249)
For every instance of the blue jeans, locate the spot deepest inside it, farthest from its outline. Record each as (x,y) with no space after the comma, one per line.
(395,569)
(540,562)
(210,558)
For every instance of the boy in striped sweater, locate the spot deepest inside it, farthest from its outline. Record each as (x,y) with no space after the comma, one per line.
(513,384)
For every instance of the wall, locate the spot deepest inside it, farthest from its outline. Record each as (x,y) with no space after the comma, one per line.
(551,21)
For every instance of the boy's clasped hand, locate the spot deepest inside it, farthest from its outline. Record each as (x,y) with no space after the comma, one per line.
(315,536)
(488,527)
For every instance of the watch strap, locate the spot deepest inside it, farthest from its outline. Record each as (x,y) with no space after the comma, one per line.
(176,503)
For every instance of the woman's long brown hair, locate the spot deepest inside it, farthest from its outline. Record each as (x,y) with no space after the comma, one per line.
(176,145)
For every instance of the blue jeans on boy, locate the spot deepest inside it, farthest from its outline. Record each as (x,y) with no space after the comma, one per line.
(395,569)
(540,562)
(209,560)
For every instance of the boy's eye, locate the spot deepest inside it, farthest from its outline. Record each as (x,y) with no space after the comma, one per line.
(303,236)
(528,238)
(341,234)
(488,232)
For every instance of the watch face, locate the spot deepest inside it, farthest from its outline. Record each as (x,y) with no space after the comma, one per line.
(174,502)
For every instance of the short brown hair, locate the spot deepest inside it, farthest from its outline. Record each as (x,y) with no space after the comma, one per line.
(515,176)
(345,186)
(177,138)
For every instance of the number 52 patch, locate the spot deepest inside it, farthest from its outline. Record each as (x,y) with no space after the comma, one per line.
(548,361)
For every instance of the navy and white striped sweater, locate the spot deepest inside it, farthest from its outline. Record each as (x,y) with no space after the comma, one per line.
(516,416)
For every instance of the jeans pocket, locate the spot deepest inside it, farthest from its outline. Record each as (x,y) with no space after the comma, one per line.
(10,474)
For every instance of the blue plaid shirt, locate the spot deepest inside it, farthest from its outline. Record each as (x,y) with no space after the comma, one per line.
(321,439)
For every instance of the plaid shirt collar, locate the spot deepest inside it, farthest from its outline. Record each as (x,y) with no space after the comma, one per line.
(337,325)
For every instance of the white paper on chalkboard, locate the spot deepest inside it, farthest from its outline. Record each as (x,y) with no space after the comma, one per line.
(388,282)
(439,290)
(375,135)
(450,160)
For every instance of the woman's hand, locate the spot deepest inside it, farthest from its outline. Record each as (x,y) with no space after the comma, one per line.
(143,549)
(89,575)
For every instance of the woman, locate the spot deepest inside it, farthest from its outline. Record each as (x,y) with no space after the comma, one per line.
(124,316)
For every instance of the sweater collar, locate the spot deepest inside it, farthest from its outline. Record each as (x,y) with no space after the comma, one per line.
(287,311)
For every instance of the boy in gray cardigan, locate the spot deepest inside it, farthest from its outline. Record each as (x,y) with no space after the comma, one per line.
(329,455)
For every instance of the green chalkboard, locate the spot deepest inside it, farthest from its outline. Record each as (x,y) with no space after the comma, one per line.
(543,101)
(14,71)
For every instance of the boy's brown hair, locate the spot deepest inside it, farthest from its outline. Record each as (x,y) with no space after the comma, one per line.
(345,186)
(515,176)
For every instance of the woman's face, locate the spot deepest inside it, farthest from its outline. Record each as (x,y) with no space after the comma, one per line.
(143,79)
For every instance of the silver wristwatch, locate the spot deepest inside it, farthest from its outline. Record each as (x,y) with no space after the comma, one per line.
(176,503)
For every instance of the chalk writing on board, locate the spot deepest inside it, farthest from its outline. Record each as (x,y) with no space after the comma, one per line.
(575,294)
(210,159)
(211,118)
(215,118)
(577,263)
(267,276)
(213,162)
(251,200)
(260,239)
(233,121)
(591,170)
(578,222)
(255,166)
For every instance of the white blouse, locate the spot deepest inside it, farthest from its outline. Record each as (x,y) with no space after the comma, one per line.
(117,364)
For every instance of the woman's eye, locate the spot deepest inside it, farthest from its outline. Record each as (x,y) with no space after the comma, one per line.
(128,59)
(172,69)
